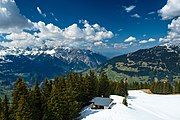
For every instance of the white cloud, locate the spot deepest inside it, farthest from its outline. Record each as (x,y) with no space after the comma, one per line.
(151,13)
(50,35)
(130,8)
(10,18)
(147,41)
(152,40)
(143,41)
(4,11)
(14,24)
(130,39)
(40,12)
(173,36)
(99,43)
(73,32)
(135,16)
(170,10)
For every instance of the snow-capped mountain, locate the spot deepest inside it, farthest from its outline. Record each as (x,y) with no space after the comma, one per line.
(38,63)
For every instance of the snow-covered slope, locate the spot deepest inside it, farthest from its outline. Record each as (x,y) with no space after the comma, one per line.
(141,106)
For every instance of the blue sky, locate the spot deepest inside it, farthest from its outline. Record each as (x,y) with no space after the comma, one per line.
(135,24)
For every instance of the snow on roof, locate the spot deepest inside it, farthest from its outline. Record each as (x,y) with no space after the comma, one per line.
(102,101)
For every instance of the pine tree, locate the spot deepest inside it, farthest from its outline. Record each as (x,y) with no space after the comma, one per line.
(90,86)
(5,109)
(20,89)
(46,92)
(55,103)
(63,103)
(87,95)
(46,89)
(1,109)
(36,103)
(93,83)
(73,84)
(104,85)
(23,111)
(125,87)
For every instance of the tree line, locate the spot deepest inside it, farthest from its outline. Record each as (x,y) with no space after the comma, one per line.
(58,99)
(157,87)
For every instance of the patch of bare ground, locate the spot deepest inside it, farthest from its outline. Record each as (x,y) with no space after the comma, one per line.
(147,91)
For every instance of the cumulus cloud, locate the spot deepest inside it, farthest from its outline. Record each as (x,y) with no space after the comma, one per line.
(170,10)
(129,9)
(22,33)
(135,16)
(10,18)
(130,39)
(40,12)
(173,36)
(147,41)
(13,24)
(50,35)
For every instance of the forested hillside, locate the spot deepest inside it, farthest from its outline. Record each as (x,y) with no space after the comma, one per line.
(158,63)
(60,99)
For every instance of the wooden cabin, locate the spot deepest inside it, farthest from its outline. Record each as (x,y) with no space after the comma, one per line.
(101,103)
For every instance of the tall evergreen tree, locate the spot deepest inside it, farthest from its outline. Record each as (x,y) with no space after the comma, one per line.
(20,90)
(46,92)
(125,87)
(23,111)
(55,108)
(36,104)
(104,85)
(1,109)
(5,109)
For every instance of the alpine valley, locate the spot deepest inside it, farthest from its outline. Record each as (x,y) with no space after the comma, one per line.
(157,63)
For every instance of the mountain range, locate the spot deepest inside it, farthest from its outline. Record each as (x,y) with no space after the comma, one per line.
(37,64)
(157,63)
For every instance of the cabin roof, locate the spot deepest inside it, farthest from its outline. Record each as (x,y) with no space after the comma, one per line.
(102,101)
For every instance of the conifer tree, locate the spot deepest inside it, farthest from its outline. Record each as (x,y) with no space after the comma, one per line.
(5,109)
(1,109)
(55,103)
(46,89)
(36,103)
(23,111)
(125,87)
(90,86)
(20,90)
(87,95)
(104,85)
(46,92)
(62,103)
(93,83)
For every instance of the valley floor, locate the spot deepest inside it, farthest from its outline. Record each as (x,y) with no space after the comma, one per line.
(141,106)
